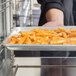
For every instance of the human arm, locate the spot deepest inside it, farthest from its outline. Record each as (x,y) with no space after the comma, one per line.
(54,10)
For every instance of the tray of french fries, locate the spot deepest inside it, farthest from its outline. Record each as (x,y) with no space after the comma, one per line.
(42,39)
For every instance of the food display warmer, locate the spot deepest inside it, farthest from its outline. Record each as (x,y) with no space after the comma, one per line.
(54,60)
(56,64)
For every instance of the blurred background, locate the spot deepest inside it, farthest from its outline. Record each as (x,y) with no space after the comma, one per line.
(25,13)
(15,13)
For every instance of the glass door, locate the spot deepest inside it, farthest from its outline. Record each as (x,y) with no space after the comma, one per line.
(5,18)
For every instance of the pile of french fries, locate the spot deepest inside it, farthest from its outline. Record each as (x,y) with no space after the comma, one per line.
(45,36)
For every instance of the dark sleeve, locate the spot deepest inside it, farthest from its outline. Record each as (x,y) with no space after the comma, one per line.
(48,4)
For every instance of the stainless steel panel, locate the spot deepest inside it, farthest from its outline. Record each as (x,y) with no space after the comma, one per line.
(48,67)
(37,47)
(6,62)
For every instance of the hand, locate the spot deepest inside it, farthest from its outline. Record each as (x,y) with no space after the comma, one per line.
(52,24)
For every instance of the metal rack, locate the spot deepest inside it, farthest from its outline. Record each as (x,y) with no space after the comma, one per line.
(5,18)
(6,25)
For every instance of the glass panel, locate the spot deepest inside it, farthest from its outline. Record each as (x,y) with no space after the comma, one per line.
(59,61)
(46,66)
(37,61)
(44,53)
(1,27)
(5,18)
(46,72)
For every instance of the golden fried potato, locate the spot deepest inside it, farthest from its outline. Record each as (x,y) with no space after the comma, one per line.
(44,36)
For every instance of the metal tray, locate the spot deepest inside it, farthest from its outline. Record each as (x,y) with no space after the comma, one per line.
(37,47)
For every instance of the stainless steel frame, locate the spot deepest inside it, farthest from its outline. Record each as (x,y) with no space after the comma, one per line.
(6,56)
(5,18)
(9,56)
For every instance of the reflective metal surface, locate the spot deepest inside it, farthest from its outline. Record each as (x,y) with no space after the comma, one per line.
(6,62)
(46,72)
(35,47)
(46,67)
(5,28)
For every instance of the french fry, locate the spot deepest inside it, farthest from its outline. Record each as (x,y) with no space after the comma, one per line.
(12,42)
(64,35)
(28,41)
(72,34)
(72,30)
(45,36)
(54,42)
(71,41)
(62,30)
(21,41)
(22,34)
